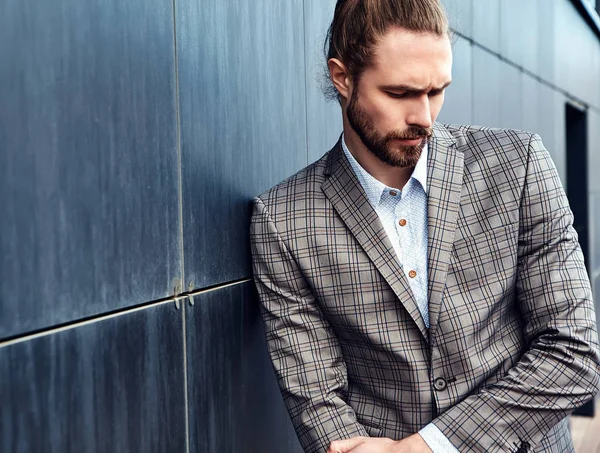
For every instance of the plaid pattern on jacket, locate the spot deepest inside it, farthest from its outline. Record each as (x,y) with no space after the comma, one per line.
(512,347)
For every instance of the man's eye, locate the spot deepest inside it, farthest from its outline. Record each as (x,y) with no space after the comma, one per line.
(396,95)
(435,93)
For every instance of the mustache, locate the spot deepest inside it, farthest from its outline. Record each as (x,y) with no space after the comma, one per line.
(411,133)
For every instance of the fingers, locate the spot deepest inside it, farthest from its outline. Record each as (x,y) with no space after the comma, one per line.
(343,446)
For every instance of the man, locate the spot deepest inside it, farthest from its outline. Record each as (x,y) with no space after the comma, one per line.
(422,286)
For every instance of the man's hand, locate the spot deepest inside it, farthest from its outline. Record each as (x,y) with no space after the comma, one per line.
(412,444)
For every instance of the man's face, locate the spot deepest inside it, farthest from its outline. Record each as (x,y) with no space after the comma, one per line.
(396,100)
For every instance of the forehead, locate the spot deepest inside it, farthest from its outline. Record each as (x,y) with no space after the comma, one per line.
(402,56)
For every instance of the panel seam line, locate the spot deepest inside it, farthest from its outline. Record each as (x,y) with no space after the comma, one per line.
(184,309)
(178,147)
(116,314)
(182,278)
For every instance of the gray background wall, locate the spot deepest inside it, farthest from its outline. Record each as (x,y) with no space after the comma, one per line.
(133,136)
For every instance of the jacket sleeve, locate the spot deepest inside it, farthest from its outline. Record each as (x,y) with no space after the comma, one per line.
(559,370)
(304,349)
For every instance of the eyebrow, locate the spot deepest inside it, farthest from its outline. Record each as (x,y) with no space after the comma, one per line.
(412,89)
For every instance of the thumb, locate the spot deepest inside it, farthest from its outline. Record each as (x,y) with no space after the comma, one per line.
(343,446)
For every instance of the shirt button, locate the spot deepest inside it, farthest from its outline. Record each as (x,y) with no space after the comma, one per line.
(402,222)
(412,274)
(393,193)
(440,384)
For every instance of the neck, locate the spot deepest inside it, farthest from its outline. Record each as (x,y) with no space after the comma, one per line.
(391,176)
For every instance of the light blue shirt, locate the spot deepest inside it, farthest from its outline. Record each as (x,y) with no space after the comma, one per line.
(403,214)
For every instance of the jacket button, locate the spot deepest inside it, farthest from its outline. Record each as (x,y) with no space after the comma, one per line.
(440,384)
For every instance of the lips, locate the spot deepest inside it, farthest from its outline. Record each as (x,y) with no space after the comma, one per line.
(411,141)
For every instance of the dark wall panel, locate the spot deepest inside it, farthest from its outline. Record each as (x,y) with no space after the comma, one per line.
(234,401)
(324,118)
(88,168)
(111,386)
(458,104)
(243,122)
(559,149)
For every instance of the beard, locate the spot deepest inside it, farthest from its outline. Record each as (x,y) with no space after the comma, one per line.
(381,146)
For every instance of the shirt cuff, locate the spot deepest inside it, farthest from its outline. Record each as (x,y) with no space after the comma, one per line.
(436,440)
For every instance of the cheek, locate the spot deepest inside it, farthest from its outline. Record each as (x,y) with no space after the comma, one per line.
(435,105)
(389,113)
(379,113)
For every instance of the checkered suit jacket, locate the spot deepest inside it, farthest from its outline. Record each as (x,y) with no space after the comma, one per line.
(512,346)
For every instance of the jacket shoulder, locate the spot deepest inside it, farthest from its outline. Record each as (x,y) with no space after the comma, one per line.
(492,144)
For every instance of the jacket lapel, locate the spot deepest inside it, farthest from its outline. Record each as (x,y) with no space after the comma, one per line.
(444,179)
(348,198)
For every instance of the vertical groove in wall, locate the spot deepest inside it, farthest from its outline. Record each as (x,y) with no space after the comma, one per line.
(181,247)
(184,308)
(306,66)
(179,159)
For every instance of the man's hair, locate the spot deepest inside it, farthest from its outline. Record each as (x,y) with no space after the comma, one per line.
(358,24)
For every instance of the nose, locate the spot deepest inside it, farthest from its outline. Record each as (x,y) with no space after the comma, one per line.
(420,112)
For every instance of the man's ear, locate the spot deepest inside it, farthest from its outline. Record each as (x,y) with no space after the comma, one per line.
(341,79)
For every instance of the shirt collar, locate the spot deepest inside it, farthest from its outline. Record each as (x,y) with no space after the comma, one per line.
(375,188)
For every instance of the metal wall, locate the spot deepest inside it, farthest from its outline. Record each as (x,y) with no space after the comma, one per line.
(134,135)
(517,63)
